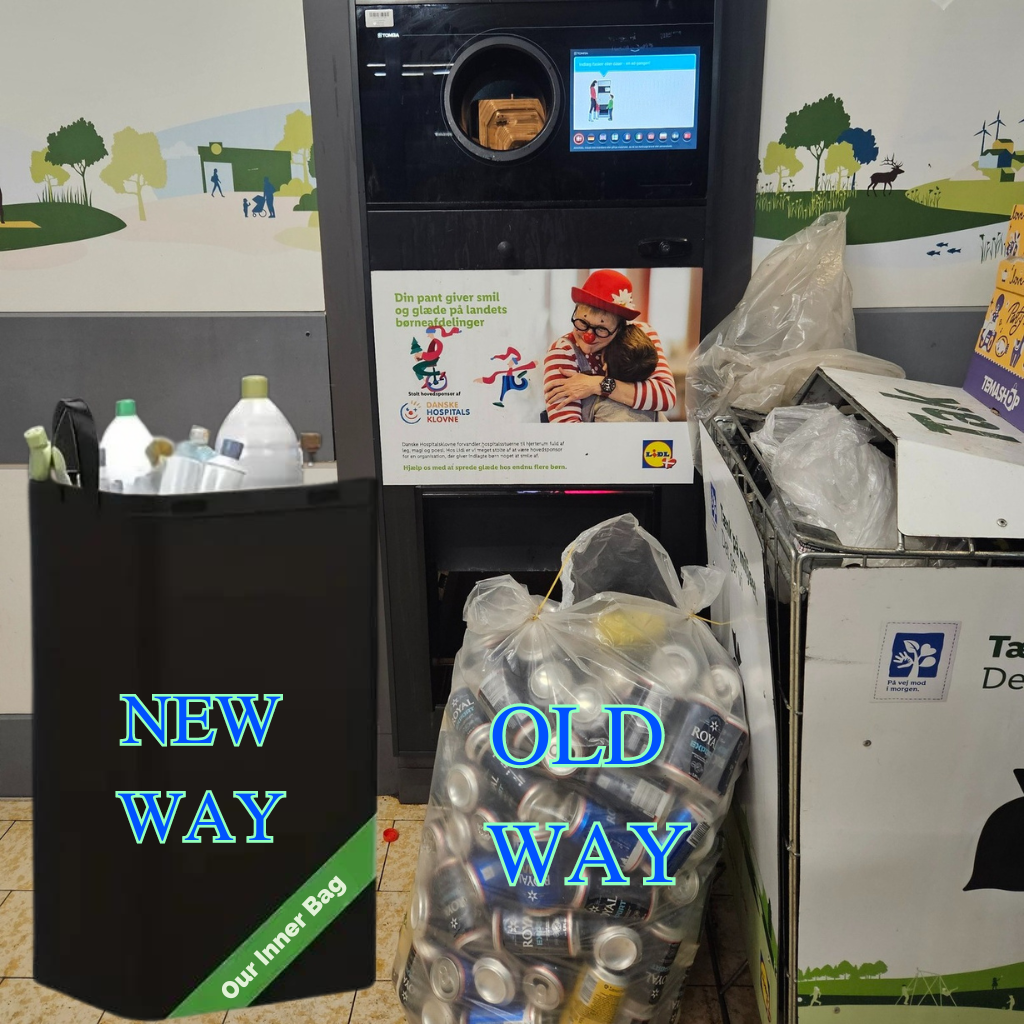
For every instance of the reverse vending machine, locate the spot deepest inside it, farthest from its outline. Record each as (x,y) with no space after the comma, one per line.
(554,198)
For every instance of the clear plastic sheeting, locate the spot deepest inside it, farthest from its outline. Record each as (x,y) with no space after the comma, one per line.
(829,474)
(796,315)
(475,948)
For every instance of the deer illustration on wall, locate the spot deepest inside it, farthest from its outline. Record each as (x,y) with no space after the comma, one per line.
(886,178)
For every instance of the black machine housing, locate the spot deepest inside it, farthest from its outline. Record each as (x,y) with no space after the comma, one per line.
(431,198)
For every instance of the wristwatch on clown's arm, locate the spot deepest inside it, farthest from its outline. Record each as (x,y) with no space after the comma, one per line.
(608,385)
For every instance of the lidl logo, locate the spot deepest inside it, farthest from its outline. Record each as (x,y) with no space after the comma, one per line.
(658,455)
(410,412)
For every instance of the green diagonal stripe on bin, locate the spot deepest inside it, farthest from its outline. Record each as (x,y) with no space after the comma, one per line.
(354,864)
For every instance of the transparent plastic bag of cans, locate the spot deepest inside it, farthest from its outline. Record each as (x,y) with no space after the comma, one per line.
(474,950)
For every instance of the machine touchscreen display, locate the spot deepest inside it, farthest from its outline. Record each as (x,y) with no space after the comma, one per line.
(634,99)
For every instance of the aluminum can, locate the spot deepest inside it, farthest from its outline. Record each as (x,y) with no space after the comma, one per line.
(577,749)
(463,785)
(685,889)
(550,683)
(508,782)
(484,1014)
(478,742)
(597,997)
(411,982)
(435,838)
(635,730)
(705,746)
(695,845)
(589,722)
(437,1012)
(661,944)
(449,977)
(535,1015)
(498,690)
(524,934)
(526,891)
(544,986)
(723,683)
(459,834)
(632,903)
(676,668)
(475,943)
(493,981)
(631,791)
(617,948)
(625,845)
(465,712)
(634,1011)
(455,904)
(482,839)
(419,910)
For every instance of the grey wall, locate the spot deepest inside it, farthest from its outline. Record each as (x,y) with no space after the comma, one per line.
(181,369)
(930,344)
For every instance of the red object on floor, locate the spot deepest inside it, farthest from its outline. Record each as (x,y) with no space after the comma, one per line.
(390,835)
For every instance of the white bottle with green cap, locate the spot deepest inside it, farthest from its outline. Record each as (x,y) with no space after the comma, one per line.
(271,456)
(123,449)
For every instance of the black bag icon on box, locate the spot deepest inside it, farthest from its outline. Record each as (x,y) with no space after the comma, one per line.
(999,859)
(252,593)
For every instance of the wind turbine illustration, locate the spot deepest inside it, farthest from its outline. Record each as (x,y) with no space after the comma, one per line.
(998,122)
(984,133)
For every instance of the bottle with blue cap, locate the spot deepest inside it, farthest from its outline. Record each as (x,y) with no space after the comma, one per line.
(224,472)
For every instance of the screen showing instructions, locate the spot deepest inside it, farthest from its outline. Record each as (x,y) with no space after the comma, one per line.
(622,99)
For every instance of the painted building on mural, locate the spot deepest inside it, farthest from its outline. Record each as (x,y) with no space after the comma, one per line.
(247,167)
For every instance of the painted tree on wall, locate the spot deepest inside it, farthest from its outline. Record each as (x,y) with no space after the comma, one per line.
(840,161)
(865,149)
(136,161)
(45,173)
(298,139)
(781,160)
(77,145)
(815,127)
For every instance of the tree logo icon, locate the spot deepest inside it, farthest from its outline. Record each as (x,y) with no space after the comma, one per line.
(916,655)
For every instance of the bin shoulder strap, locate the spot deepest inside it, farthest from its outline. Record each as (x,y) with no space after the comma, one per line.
(74,433)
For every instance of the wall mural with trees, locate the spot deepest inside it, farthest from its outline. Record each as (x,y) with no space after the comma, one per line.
(881,118)
(157,168)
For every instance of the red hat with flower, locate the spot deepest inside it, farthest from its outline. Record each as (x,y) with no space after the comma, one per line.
(608,290)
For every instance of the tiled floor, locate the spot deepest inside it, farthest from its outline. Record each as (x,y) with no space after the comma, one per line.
(22,1001)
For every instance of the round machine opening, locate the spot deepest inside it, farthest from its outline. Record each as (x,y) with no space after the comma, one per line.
(502,98)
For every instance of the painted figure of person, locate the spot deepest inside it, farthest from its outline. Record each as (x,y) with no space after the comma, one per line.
(268,195)
(593,100)
(245,206)
(215,182)
(816,996)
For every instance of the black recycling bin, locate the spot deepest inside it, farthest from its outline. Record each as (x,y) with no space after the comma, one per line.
(259,607)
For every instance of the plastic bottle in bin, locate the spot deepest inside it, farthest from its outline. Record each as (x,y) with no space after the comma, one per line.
(271,456)
(123,459)
(184,469)
(224,472)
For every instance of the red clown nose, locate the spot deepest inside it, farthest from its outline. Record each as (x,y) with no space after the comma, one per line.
(589,337)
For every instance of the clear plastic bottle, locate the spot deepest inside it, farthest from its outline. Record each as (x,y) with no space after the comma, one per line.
(184,469)
(123,449)
(224,472)
(271,456)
